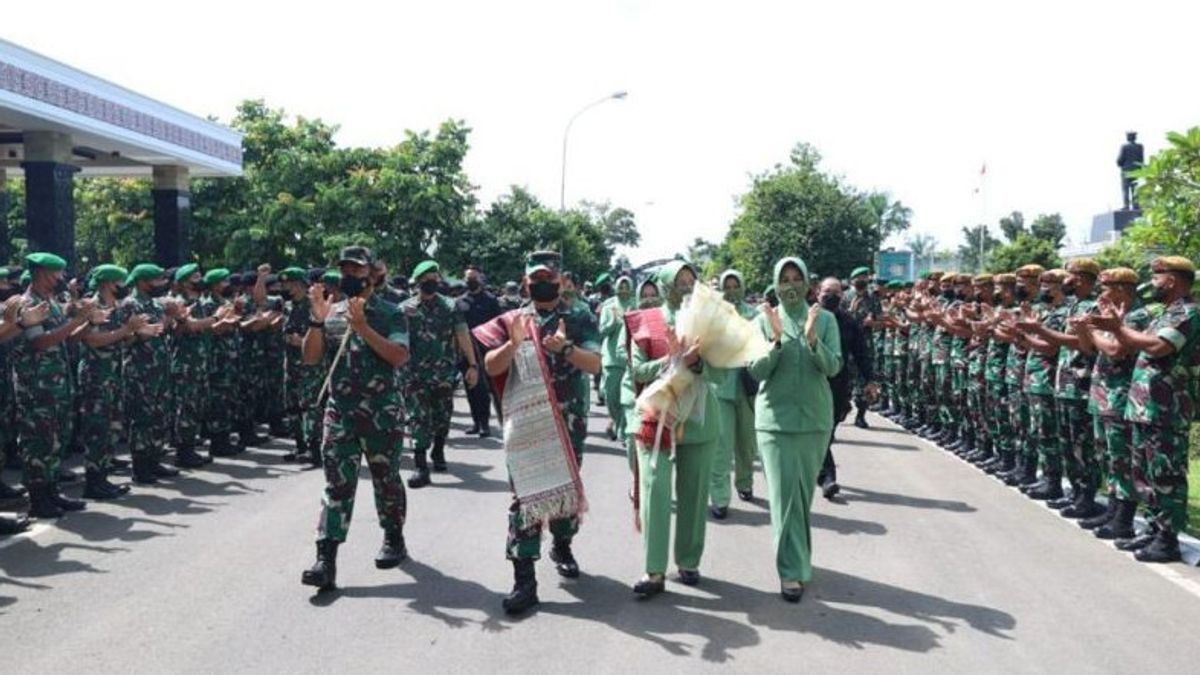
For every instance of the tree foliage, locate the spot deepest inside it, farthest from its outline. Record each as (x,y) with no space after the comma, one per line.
(1037,245)
(1170,199)
(969,252)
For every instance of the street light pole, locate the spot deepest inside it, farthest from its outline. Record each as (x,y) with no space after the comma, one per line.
(562,188)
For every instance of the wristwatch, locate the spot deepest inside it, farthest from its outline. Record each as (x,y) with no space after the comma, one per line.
(568,347)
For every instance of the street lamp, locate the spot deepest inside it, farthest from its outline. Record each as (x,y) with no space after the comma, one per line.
(562,190)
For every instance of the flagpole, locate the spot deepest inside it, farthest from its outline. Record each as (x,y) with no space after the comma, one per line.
(983,215)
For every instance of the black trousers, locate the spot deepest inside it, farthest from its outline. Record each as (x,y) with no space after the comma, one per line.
(479,397)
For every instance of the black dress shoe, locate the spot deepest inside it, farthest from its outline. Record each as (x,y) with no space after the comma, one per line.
(719,512)
(564,561)
(746,495)
(1137,542)
(689,577)
(163,471)
(830,489)
(14,525)
(473,430)
(792,595)
(8,492)
(486,432)
(419,479)
(647,588)
(1164,549)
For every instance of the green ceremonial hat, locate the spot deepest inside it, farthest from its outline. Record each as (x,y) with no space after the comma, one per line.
(103,273)
(143,272)
(293,274)
(860,271)
(216,276)
(47,260)
(537,261)
(331,277)
(605,278)
(186,271)
(425,267)
(895,285)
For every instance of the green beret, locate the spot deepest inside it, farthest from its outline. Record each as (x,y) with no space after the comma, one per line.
(895,285)
(603,279)
(425,268)
(143,272)
(293,274)
(47,260)
(331,277)
(186,271)
(216,276)
(858,271)
(104,273)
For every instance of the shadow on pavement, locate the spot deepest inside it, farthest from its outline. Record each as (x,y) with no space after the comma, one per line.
(97,526)
(876,444)
(856,494)
(28,559)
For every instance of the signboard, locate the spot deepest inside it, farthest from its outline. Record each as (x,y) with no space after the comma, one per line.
(895,265)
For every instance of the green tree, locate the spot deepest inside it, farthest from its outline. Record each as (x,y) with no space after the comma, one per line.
(1169,197)
(1124,253)
(114,221)
(922,247)
(969,252)
(1012,225)
(1025,250)
(1049,228)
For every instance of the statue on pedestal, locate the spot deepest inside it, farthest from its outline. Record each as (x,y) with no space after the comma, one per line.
(1131,159)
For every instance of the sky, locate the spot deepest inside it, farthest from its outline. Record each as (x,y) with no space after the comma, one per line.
(911,98)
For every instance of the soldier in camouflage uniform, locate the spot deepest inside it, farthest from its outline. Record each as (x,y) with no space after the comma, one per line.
(271,347)
(190,353)
(147,371)
(940,344)
(299,377)
(1107,398)
(954,400)
(220,301)
(1041,366)
(997,411)
(1024,444)
(11,303)
(569,334)
(865,307)
(364,413)
(438,335)
(42,384)
(977,446)
(1162,405)
(251,369)
(99,397)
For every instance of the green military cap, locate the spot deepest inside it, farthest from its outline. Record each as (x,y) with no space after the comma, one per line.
(216,276)
(605,278)
(1168,263)
(293,274)
(143,272)
(331,276)
(537,261)
(908,284)
(47,260)
(1118,275)
(425,267)
(859,271)
(25,278)
(103,273)
(356,254)
(186,271)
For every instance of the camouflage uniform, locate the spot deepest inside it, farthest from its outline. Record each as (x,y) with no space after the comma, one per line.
(899,393)
(1072,384)
(433,370)
(997,412)
(1107,399)
(271,352)
(1039,388)
(222,377)
(100,410)
(975,420)
(250,375)
(189,373)
(1024,444)
(363,417)
(861,307)
(42,388)
(302,382)
(942,344)
(1161,407)
(147,374)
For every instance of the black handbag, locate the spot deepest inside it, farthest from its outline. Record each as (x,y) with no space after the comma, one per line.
(749,384)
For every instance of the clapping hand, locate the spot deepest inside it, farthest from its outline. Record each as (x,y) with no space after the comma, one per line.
(772,315)
(33,315)
(319,304)
(516,332)
(356,314)
(557,341)
(810,326)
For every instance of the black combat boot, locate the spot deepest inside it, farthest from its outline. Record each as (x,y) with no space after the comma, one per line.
(1120,526)
(9,492)
(143,471)
(163,470)
(64,502)
(40,503)
(187,457)
(1028,477)
(420,478)
(14,525)
(67,477)
(1140,540)
(278,428)
(323,573)
(860,420)
(1068,498)
(219,446)
(314,455)
(438,455)
(1110,510)
(1051,487)
(1164,549)
(564,560)
(1085,505)
(393,552)
(524,592)
(248,437)
(97,486)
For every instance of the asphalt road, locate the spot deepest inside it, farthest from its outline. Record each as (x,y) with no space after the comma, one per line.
(924,565)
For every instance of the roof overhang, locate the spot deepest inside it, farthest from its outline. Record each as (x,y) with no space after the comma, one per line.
(114,131)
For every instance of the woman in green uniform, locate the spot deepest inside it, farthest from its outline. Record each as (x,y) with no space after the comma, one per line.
(794,416)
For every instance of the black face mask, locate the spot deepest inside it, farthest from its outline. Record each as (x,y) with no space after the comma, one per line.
(8,293)
(543,291)
(949,295)
(1044,296)
(352,287)
(831,301)
(860,284)
(121,292)
(429,286)
(229,292)
(159,290)
(473,285)
(1022,294)
(60,286)
(606,290)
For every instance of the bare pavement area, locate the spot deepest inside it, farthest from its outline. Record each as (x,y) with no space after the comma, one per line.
(923,565)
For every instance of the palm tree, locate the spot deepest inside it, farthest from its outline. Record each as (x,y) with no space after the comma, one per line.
(922,247)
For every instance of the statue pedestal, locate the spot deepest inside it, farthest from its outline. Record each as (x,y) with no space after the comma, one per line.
(1123,217)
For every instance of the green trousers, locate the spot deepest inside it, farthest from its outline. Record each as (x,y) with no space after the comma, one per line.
(688,469)
(611,382)
(737,445)
(791,462)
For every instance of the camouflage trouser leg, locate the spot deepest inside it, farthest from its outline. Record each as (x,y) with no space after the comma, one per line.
(887,395)
(342,458)
(1162,473)
(945,395)
(860,399)
(312,417)
(39,415)
(431,415)
(975,424)
(147,430)
(1043,429)
(1077,443)
(1018,411)
(1118,446)
(999,419)
(101,423)
(899,391)
(525,539)
(8,429)
(275,401)
(190,401)
(913,385)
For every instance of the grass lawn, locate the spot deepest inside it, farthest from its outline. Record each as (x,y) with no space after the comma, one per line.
(1194,497)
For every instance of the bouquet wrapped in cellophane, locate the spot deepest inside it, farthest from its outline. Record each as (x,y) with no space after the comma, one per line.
(726,341)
